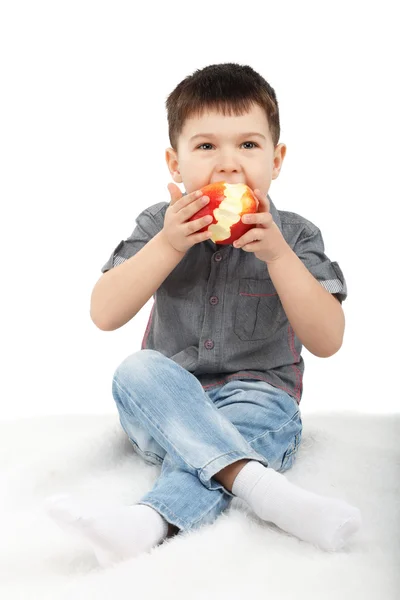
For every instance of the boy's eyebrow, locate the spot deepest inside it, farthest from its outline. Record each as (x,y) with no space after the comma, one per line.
(212,135)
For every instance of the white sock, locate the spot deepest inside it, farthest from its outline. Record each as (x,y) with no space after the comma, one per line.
(325,522)
(116,534)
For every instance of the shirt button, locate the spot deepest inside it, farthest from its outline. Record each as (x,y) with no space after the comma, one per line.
(214,300)
(209,344)
(217,257)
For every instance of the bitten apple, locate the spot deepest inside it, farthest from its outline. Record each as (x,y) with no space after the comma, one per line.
(228,203)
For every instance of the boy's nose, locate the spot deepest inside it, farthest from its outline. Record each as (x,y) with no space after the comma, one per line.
(229,168)
(228,161)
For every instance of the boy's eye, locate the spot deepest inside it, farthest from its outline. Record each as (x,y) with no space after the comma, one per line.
(207,144)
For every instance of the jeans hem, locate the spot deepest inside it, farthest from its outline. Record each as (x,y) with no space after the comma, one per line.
(172,518)
(222,461)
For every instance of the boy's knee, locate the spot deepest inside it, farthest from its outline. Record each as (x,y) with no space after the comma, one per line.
(136,363)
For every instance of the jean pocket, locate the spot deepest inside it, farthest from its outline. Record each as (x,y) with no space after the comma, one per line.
(149,457)
(144,445)
(290,454)
(258,311)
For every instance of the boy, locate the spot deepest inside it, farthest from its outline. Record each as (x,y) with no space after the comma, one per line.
(213,395)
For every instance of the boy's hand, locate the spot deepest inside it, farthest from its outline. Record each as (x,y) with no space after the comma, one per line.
(179,233)
(265,239)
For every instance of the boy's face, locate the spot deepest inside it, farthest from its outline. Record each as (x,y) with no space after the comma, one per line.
(230,154)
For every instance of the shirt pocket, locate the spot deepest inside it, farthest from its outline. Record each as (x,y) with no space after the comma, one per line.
(258,311)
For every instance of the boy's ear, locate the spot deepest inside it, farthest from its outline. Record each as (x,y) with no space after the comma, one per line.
(279,155)
(173,165)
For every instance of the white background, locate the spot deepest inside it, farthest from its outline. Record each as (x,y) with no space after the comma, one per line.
(82,140)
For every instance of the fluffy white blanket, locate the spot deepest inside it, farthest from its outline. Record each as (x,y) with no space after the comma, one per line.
(346,455)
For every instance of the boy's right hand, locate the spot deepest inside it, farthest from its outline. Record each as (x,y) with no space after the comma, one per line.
(180,233)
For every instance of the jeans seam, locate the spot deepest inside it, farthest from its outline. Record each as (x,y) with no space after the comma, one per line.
(273,430)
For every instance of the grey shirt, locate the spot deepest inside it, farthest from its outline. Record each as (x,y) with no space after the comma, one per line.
(218,314)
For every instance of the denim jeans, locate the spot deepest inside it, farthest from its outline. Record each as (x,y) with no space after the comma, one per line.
(193,433)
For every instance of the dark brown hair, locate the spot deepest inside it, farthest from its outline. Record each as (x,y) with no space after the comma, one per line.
(228,88)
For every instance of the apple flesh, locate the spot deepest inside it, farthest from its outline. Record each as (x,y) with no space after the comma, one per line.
(228,203)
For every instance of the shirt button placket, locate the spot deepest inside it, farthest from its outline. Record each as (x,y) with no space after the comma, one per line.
(209,344)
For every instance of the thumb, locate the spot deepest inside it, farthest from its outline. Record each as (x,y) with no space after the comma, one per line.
(175,192)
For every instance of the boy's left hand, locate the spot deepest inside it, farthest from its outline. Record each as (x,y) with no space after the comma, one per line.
(265,239)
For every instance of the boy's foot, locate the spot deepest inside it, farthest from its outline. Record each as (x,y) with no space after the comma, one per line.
(326,522)
(114,535)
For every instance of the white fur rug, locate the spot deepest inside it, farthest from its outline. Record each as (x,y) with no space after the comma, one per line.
(348,455)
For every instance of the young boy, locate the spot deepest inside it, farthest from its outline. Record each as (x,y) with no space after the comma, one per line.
(213,395)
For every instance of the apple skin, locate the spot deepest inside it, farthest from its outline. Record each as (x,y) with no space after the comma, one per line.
(238,199)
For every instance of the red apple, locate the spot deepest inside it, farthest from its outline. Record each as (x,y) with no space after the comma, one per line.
(228,203)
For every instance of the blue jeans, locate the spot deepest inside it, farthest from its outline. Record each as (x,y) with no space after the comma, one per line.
(193,433)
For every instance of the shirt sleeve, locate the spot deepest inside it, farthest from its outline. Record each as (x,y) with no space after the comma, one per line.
(146,228)
(310,249)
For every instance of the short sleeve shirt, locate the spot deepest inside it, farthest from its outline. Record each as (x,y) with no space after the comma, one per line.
(218,314)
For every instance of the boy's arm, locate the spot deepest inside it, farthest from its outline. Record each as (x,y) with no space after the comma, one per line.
(122,291)
(315,315)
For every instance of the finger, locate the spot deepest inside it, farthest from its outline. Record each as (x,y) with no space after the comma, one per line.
(175,192)
(200,237)
(263,218)
(186,200)
(254,235)
(264,203)
(197,224)
(252,247)
(188,208)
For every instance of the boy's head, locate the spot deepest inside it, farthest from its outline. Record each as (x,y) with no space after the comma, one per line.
(228,104)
